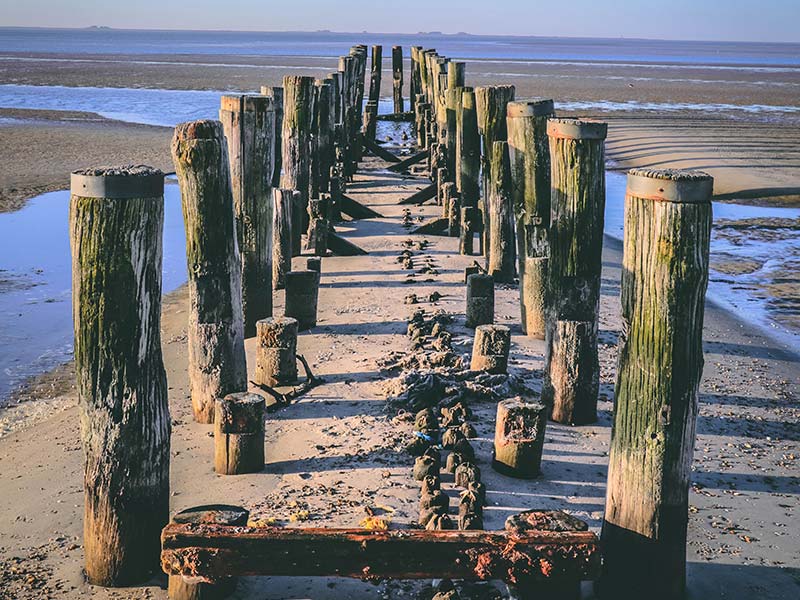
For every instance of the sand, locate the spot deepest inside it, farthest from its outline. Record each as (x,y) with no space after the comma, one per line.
(40,148)
(339,449)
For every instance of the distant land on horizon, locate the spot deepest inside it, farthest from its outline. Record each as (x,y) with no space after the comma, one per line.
(397,33)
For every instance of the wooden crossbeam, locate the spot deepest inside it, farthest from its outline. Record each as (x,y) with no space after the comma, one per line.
(212,552)
(421,196)
(404,164)
(379,151)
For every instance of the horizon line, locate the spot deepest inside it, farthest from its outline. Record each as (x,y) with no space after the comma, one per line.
(430,33)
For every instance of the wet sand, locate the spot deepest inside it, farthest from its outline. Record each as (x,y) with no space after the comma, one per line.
(41,148)
(339,449)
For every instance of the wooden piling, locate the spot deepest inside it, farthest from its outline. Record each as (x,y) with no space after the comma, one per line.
(276,93)
(298,102)
(370,120)
(302,292)
(285,203)
(452,209)
(212,514)
(249,125)
(468,150)
(322,157)
(519,437)
(577,200)
(375,74)
(490,106)
(397,78)
(216,332)
(501,251)
(239,434)
(490,349)
(480,300)
(318,226)
(116,219)
(276,354)
(664,280)
(529,153)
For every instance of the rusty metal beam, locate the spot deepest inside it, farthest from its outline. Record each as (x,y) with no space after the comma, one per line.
(209,552)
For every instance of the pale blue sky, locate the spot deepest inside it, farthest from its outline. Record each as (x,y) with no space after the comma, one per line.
(740,20)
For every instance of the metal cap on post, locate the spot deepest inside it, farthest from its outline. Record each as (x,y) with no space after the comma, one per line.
(118,183)
(670,185)
(538,107)
(577,129)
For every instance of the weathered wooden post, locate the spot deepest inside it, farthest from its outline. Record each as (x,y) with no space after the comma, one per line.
(529,153)
(397,77)
(452,209)
(249,125)
(471,223)
(276,356)
(519,437)
(468,150)
(480,300)
(322,156)
(664,280)
(276,93)
(298,102)
(211,514)
(375,74)
(370,120)
(490,107)
(502,263)
(216,333)
(116,220)
(318,226)
(577,198)
(302,293)
(414,82)
(421,107)
(285,202)
(239,434)
(490,349)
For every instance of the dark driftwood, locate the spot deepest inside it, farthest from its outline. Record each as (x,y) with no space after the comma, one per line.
(122,386)
(216,335)
(341,247)
(379,151)
(355,210)
(404,164)
(433,227)
(407,117)
(311,381)
(577,199)
(421,196)
(664,280)
(523,556)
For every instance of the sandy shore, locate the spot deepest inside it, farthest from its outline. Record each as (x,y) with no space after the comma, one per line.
(40,148)
(339,449)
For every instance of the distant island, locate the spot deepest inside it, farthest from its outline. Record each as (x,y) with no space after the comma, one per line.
(98,27)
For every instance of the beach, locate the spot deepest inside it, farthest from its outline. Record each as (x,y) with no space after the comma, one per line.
(339,450)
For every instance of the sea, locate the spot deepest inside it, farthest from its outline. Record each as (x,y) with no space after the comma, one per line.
(35,294)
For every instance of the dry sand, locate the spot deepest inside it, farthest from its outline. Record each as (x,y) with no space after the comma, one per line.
(338,450)
(40,148)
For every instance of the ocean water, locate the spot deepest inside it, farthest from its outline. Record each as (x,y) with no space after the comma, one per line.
(330,44)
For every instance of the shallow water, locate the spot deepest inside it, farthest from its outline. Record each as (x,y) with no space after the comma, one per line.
(36,278)
(757,291)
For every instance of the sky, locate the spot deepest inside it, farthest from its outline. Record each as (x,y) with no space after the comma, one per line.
(735,20)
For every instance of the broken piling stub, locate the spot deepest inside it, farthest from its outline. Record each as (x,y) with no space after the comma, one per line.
(480,300)
(276,354)
(239,434)
(519,437)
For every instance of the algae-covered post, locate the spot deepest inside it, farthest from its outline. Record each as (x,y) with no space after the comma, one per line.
(116,221)
(298,105)
(276,93)
(577,198)
(664,280)
(529,152)
(249,125)
(502,263)
(285,202)
(397,78)
(490,107)
(216,333)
